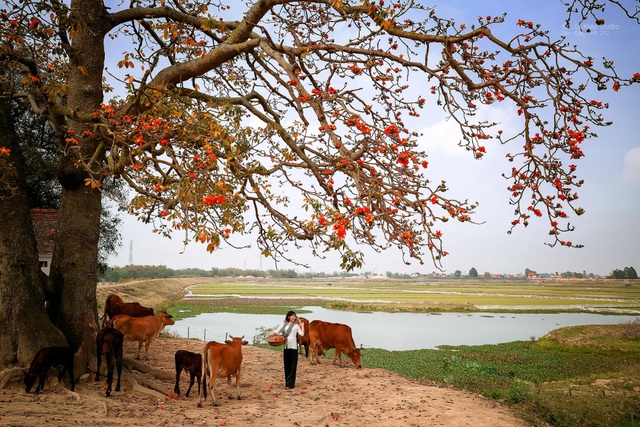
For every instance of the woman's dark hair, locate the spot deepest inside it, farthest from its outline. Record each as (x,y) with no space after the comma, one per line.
(289,314)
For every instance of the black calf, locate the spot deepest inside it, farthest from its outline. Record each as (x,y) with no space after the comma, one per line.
(190,362)
(109,343)
(46,358)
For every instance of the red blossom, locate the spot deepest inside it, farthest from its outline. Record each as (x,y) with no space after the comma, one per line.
(355,69)
(403,158)
(392,130)
(212,200)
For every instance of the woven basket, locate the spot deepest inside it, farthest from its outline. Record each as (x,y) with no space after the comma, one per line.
(276,341)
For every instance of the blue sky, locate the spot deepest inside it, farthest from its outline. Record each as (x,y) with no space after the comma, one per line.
(610,228)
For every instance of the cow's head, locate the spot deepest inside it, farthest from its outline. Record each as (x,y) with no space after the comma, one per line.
(240,340)
(29,380)
(355,356)
(167,319)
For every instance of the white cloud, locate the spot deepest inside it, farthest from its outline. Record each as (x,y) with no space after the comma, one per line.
(631,171)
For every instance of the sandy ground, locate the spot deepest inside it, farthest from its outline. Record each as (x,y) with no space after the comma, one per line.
(325,395)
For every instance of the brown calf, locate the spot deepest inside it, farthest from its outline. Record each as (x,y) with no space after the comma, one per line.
(191,363)
(109,343)
(142,329)
(222,361)
(46,358)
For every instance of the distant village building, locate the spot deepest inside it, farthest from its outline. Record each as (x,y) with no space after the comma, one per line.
(45,225)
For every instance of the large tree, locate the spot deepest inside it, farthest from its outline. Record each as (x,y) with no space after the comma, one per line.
(291,119)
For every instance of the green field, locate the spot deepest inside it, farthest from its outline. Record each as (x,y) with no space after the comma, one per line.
(607,296)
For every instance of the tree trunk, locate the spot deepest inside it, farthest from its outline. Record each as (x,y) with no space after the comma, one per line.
(75,259)
(26,326)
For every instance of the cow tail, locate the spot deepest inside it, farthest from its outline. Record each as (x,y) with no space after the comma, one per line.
(205,374)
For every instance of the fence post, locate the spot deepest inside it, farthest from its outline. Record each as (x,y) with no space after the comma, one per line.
(187,332)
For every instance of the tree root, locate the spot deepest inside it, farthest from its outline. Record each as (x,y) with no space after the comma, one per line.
(72,394)
(142,384)
(148,380)
(10,374)
(133,365)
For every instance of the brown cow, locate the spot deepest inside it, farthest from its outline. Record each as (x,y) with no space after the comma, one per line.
(46,358)
(114,305)
(142,329)
(326,335)
(109,343)
(222,361)
(191,363)
(303,340)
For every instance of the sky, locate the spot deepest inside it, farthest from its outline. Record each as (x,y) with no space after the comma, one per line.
(609,230)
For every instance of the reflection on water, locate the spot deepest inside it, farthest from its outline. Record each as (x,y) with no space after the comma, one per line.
(400,331)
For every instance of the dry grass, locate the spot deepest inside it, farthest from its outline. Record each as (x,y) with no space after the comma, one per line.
(157,293)
(631,330)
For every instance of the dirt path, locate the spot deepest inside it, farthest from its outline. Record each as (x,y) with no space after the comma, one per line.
(325,395)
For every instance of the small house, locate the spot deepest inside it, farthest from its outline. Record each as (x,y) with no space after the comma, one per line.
(45,224)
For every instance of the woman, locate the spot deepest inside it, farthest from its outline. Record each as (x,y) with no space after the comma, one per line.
(290,329)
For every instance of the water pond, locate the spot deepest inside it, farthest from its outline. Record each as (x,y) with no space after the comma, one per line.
(400,331)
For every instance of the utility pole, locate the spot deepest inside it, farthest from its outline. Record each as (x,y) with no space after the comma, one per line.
(130,252)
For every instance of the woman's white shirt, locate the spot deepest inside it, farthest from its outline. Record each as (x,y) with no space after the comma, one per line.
(292,339)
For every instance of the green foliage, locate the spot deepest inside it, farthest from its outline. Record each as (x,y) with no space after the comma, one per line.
(630,273)
(473,272)
(627,273)
(130,272)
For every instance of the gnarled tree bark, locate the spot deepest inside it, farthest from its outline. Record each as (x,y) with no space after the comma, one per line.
(25,325)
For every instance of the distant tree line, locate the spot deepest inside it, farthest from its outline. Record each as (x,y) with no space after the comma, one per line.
(131,272)
(627,273)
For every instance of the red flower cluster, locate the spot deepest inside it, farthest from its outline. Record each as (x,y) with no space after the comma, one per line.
(212,200)
(340,228)
(392,130)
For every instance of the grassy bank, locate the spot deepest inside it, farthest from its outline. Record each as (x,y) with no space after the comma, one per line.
(574,376)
